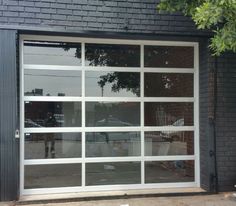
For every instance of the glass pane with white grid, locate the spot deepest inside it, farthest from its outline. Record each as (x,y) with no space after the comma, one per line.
(113,111)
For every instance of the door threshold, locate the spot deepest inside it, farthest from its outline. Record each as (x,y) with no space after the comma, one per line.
(103,195)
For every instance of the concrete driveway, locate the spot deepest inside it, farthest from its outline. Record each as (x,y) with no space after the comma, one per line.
(223,199)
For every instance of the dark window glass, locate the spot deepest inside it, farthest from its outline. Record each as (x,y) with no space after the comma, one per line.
(52,53)
(168,114)
(169,171)
(52,145)
(169,56)
(113,144)
(52,114)
(112,84)
(169,143)
(111,173)
(52,83)
(111,114)
(168,85)
(112,55)
(56,175)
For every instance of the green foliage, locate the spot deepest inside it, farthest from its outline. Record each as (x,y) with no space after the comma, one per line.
(216,15)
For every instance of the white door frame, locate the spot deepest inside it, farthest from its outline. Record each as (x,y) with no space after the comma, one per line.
(83,129)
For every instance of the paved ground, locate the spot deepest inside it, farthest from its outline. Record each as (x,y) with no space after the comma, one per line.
(224,199)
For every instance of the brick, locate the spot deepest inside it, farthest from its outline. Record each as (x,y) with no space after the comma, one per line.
(16,8)
(32,9)
(80,13)
(43,16)
(15,20)
(82,2)
(32,21)
(58,6)
(10,13)
(48,11)
(11,2)
(26,14)
(58,17)
(26,3)
(74,18)
(42,4)
(64,11)
(89,8)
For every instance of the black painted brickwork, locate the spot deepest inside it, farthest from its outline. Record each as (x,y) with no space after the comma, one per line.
(97,15)
(226,121)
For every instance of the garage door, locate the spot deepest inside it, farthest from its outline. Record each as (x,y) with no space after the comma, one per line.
(102,114)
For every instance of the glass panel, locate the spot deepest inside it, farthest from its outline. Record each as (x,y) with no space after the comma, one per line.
(168,114)
(169,143)
(58,175)
(169,171)
(52,114)
(52,83)
(112,55)
(168,85)
(110,114)
(113,144)
(112,84)
(52,145)
(169,56)
(110,173)
(52,53)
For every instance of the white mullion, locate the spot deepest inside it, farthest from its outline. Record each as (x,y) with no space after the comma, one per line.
(106,41)
(168,128)
(168,99)
(113,159)
(115,69)
(169,70)
(169,158)
(142,116)
(83,172)
(81,129)
(112,99)
(139,99)
(51,67)
(22,116)
(53,130)
(196,116)
(107,129)
(107,69)
(52,161)
(107,99)
(52,99)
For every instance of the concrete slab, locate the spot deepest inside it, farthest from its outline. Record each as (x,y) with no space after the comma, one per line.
(222,199)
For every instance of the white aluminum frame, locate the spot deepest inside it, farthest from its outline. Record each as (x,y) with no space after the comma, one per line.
(83,129)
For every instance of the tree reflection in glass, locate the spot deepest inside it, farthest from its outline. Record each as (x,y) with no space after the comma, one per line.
(168,85)
(112,55)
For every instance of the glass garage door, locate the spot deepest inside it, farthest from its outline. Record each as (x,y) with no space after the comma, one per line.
(102,114)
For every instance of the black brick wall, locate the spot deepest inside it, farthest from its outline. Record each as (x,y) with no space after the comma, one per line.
(226,121)
(203,114)
(97,15)
(224,118)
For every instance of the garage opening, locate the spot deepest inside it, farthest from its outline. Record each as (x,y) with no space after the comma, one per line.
(104,114)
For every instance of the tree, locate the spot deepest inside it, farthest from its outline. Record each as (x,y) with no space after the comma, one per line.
(217,15)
